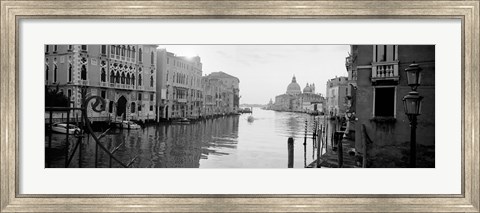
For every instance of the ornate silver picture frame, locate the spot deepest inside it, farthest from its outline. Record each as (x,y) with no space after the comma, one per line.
(12,12)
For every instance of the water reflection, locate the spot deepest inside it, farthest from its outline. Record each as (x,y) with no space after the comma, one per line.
(225,142)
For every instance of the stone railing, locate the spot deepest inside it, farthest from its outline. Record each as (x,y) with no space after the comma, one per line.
(385,71)
(84,82)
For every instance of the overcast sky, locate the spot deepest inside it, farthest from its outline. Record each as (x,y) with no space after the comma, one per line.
(266,70)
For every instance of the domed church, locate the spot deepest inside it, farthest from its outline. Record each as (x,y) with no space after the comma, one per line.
(294,88)
(294,100)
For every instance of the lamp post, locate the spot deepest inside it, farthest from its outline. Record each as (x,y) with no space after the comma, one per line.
(412,104)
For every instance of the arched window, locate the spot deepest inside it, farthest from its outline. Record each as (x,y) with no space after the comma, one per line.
(133,79)
(128,51)
(139,79)
(46,71)
(151,81)
(133,52)
(70,72)
(123,78)
(83,73)
(117,78)
(123,50)
(139,54)
(132,107)
(118,50)
(55,73)
(110,107)
(112,77)
(151,57)
(112,50)
(128,79)
(103,76)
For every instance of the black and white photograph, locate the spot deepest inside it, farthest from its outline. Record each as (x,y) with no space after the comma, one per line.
(239,106)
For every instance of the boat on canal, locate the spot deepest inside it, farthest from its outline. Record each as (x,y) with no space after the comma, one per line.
(130,125)
(62,128)
(181,121)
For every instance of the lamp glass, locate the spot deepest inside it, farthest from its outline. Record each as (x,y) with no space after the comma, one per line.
(412,104)
(413,75)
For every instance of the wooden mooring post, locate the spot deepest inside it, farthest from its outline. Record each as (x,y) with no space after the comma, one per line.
(338,137)
(319,146)
(290,152)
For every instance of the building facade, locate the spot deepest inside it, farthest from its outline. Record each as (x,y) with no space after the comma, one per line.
(337,91)
(232,89)
(221,94)
(179,86)
(380,85)
(124,75)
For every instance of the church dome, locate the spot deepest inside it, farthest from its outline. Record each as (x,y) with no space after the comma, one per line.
(294,88)
(307,89)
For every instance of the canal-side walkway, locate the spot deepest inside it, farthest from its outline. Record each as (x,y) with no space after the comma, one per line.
(330,158)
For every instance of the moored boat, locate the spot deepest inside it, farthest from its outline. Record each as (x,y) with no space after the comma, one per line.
(182,121)
(130,125)
(62,128)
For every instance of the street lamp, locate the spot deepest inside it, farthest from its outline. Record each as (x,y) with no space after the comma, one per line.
(412,104)
(350,115)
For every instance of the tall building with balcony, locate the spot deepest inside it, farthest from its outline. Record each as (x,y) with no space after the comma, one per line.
(337,91)
(380,85)
(179,86)
(124,75)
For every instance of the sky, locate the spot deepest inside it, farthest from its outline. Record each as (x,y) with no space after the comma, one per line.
(266,70)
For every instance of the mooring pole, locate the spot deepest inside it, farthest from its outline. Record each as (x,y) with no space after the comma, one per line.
(290,152)
(319,147)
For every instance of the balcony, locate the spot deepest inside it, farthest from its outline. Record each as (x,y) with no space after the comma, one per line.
(104,84)
(182,100)
(385,71)
(83,82)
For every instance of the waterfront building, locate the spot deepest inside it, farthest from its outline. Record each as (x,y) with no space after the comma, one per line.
(378,72)
(124,75)
(232,85)
(337,89)
(295,101)
(221,94)
(179,86)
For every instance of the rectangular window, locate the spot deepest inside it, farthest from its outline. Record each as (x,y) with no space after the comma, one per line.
(151,97)
(112,49)
(139,96)
(104,94)
(69,94)
(104,49)
(55,48)
(385,53)
(151,108)
(47,49)
(70,47)
(384,102)
(84,47)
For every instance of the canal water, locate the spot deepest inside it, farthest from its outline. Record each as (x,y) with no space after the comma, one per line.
(224,142)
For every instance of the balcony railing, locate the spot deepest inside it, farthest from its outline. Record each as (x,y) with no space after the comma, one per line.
(83,82)
(385,71)
(182,100)
(104,84)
